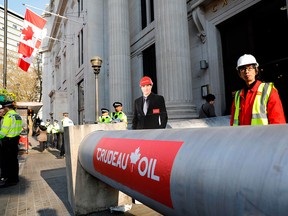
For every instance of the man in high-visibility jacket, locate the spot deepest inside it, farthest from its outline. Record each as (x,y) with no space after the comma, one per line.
(66,122)
(105,117)
(49,127)
(55,133)
(257,103)
(118,115)
(9,136)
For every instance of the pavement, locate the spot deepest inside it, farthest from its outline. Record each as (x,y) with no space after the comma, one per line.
(42,189)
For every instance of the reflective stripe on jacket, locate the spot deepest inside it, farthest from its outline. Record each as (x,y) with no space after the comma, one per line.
(12,125)
(259,110)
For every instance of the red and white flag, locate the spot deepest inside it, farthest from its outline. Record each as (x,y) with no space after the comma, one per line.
(31,33)
(25,62)
(30,39)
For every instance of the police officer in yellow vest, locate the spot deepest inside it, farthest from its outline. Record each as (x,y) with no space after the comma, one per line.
(66,122)
(49,127)
(118,115)
(105,118)
(55,133)
(9,136)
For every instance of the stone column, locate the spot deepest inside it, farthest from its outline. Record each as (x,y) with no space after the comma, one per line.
(93,46)
(119,54)
(173,58)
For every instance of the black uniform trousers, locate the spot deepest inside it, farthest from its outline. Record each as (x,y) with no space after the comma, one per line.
(9,159)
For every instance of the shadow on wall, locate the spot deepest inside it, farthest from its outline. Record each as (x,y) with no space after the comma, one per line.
(197,123)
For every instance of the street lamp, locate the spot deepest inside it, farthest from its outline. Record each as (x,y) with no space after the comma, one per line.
(51,117)
(96,65)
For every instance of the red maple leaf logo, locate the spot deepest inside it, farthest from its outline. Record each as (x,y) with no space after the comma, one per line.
(28,33)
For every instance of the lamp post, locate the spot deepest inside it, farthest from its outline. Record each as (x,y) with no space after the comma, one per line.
(96,65)
(51,117)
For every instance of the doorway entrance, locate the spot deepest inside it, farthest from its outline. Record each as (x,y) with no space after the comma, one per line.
(149,65)
(260,30)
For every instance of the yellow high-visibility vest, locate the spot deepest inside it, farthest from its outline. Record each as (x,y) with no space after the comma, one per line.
(12,125)
(259,110)
(105,119)
(121,116)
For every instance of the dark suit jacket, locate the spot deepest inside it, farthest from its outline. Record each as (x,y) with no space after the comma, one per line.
(156,113)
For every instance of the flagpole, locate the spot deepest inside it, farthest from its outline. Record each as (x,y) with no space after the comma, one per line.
(63,17)
(5,46)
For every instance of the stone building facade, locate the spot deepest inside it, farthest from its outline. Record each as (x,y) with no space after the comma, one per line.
(188,47)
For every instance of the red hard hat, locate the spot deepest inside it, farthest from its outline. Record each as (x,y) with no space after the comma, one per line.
(145,81)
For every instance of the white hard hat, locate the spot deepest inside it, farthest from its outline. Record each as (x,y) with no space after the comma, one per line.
(245,60)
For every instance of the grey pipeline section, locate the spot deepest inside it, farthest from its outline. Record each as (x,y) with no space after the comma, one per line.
(217,171)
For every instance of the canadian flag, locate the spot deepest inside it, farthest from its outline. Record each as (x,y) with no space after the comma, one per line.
(30,39)
(24,62)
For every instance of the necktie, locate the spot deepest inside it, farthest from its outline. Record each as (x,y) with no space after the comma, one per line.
(145,106)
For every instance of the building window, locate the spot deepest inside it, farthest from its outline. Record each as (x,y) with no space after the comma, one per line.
(80,49)
(64,67)
(57,74)
(147,12)
(80,7)
(152,10)
(81,116)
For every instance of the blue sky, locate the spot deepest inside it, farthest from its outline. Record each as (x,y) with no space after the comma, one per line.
(16,5)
